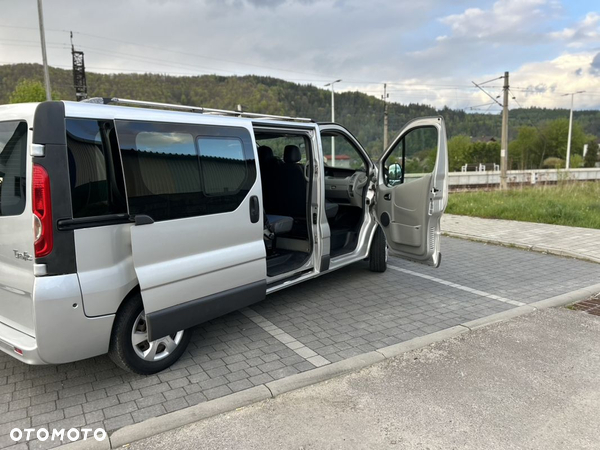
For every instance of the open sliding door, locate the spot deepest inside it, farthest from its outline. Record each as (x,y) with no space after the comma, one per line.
(197,242)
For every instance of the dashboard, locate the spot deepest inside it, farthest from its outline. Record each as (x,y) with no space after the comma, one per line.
(345,186)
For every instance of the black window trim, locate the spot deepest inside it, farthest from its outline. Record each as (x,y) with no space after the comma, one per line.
(94,221)
(111,170)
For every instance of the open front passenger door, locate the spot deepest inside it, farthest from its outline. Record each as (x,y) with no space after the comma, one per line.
(412,190)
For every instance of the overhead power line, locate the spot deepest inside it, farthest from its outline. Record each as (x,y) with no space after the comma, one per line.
(486,93)
(493,79)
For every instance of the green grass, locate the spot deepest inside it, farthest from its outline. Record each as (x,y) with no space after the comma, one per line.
(576,205)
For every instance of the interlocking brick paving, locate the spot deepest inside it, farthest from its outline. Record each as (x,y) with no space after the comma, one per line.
(336,316)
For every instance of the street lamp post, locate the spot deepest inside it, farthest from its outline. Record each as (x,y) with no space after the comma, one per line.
(568,162)
(332,120)
(44,57)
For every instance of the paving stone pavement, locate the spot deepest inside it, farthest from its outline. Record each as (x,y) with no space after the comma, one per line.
(570,240)
(337,316)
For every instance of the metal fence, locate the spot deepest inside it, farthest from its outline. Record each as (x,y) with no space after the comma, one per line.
(542,176)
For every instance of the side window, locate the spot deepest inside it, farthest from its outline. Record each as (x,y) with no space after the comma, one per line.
(13,154)
(94,169)
(278,143)
(347,156)
(174,171)
(218,157)
(413,156)
(167,164)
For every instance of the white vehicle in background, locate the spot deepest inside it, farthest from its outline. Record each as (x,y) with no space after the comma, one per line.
(123,227)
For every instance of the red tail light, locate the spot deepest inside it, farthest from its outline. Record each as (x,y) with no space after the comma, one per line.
(42,212)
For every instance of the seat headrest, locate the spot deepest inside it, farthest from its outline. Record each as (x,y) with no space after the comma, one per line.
(291,154)
(265,153)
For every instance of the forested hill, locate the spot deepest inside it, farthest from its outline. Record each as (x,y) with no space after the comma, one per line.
(360,113)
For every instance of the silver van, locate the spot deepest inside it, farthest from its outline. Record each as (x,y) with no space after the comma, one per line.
(123,223)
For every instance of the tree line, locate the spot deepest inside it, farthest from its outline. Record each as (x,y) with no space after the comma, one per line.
(537,134)
(535,147)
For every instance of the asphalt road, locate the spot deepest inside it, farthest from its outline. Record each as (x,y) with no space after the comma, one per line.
(528,383)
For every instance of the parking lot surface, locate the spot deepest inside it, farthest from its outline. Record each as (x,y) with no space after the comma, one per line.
(337,316)
(528,383)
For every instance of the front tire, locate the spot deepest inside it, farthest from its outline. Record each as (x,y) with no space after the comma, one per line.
(129,345)
(378,254)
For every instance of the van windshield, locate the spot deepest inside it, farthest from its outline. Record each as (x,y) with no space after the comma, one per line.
(13,151)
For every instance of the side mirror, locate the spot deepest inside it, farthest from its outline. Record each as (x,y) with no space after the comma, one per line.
(395,173)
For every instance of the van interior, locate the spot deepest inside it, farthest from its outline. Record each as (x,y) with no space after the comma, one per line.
(286,176)
(286,185)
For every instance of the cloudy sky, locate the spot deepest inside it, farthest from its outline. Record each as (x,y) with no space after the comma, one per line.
(428,51)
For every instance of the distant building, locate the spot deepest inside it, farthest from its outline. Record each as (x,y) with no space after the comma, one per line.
(485,139)
(340,161)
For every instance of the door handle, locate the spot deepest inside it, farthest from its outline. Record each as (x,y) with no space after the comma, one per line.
(254,209)
(387,196)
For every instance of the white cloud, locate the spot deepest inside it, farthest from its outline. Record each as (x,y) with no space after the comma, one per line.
(587,30)
(539,84)
(329,38)
(509,19)
(314,41)
(545,82)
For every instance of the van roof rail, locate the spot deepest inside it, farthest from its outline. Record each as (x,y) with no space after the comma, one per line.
(197,109)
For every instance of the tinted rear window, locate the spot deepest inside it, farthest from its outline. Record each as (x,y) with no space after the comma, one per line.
(13,153)
(174,171)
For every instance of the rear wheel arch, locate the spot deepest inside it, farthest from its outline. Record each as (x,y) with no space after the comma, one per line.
(135,291)
(121,349)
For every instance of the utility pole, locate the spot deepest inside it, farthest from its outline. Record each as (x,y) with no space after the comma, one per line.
(385,117)
(568,161)
(504,141)
(332,120)
(44,57)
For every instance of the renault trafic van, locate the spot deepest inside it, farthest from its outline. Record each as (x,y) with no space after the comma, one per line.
(123,224)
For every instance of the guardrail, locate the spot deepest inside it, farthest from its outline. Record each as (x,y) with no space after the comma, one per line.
(538,176)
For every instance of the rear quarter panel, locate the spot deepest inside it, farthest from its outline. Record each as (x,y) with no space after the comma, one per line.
(16,233)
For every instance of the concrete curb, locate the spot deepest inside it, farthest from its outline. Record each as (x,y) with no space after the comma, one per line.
(323,373)
(160,424)
(533,248)
(422,341)
(568,298)
(499,317)
(177,419)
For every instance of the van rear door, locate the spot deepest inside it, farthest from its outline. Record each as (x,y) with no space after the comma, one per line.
(16,234)
(197,243)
